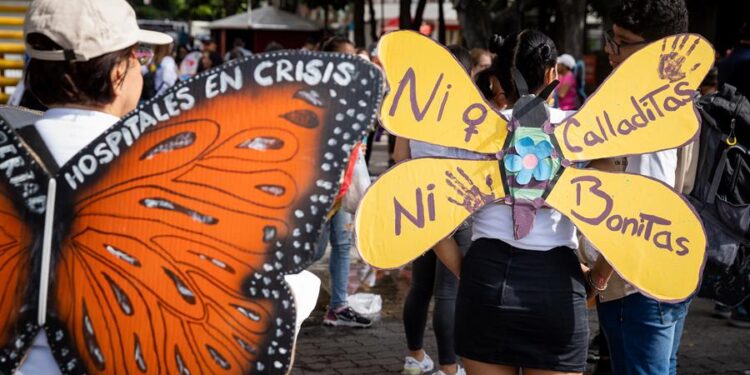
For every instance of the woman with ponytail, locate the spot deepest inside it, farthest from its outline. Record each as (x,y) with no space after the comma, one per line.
(522,303)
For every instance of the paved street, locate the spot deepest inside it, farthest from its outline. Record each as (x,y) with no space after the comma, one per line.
(709,345)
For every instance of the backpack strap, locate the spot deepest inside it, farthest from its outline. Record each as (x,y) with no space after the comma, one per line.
(718,173)
(33,139)
(521,86)
(548,90)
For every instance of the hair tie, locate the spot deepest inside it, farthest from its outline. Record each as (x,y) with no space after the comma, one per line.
(545,52)
(496,43)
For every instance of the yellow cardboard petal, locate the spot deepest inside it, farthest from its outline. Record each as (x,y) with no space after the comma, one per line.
(433,99)
(419,202)
(647,232)
(644,106)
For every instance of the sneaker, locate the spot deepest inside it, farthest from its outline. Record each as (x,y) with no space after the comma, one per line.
(460,371)
(721,311)
(414,367)
(740,318)
(345,317)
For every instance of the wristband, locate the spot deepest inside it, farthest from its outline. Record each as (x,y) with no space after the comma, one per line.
(593,285)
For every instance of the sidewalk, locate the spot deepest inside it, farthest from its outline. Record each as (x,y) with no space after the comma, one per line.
(709,345)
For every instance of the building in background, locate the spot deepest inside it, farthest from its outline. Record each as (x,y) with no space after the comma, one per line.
(262,26)
(11,46)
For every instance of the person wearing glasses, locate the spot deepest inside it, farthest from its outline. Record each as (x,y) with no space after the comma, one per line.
(85,65)
(643,334)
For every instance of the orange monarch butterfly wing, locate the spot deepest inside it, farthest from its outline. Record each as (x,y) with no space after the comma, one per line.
(176,246)
(15,274)
(23,184)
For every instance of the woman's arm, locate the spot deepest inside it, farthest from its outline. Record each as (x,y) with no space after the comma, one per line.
(601,270)
(449,253)
(402,151)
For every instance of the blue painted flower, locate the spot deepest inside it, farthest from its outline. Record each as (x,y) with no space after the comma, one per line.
(530,160)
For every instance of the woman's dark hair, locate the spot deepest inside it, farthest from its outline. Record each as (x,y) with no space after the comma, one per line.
(712,78)
(482,80)
(333,43)
(652,19)
(531,52)
(86,83)
(462,55)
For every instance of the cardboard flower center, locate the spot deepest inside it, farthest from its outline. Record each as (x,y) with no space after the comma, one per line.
(530,161)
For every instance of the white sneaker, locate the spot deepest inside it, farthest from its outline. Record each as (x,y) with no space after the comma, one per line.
(414,367)
(460,371)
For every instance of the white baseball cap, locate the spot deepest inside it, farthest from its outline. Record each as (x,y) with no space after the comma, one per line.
(567,60)
(85,29)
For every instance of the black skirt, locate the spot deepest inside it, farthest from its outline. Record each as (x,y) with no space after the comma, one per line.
(522,308)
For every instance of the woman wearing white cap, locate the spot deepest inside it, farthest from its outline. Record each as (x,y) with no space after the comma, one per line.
(85,65)
(567,90)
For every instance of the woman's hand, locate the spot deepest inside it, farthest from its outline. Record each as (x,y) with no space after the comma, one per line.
(597,278)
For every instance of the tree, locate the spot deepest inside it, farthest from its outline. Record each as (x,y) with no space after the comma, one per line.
(189,9)
(441,23)
(418,15)
(563,20)
(405,20)
(326,5)
(373,21)
(359,22)
(404,14)
(475,22)
(568,31)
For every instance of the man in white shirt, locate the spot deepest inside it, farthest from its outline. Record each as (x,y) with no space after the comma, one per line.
(643,334)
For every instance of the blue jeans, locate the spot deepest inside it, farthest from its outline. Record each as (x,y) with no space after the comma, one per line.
(338,230)
(643,334)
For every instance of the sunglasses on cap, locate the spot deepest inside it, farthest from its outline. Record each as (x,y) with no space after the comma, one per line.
(144,55)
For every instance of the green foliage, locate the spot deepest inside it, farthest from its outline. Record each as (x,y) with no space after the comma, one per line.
(189,9)
(335,4)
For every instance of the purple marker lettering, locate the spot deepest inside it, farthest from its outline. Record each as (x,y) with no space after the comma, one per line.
(651,98)
(442,105)
(681,242)
(566,141)
(431,202)
(471,127)
(650,221)
(410,79)
(401,211)
(608,203)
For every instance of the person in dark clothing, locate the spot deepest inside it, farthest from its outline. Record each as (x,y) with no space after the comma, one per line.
(735,68)
(211,57)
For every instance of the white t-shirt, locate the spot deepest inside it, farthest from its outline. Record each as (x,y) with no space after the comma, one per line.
(660,165)
(166,74)
(66,131)
(551,229)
